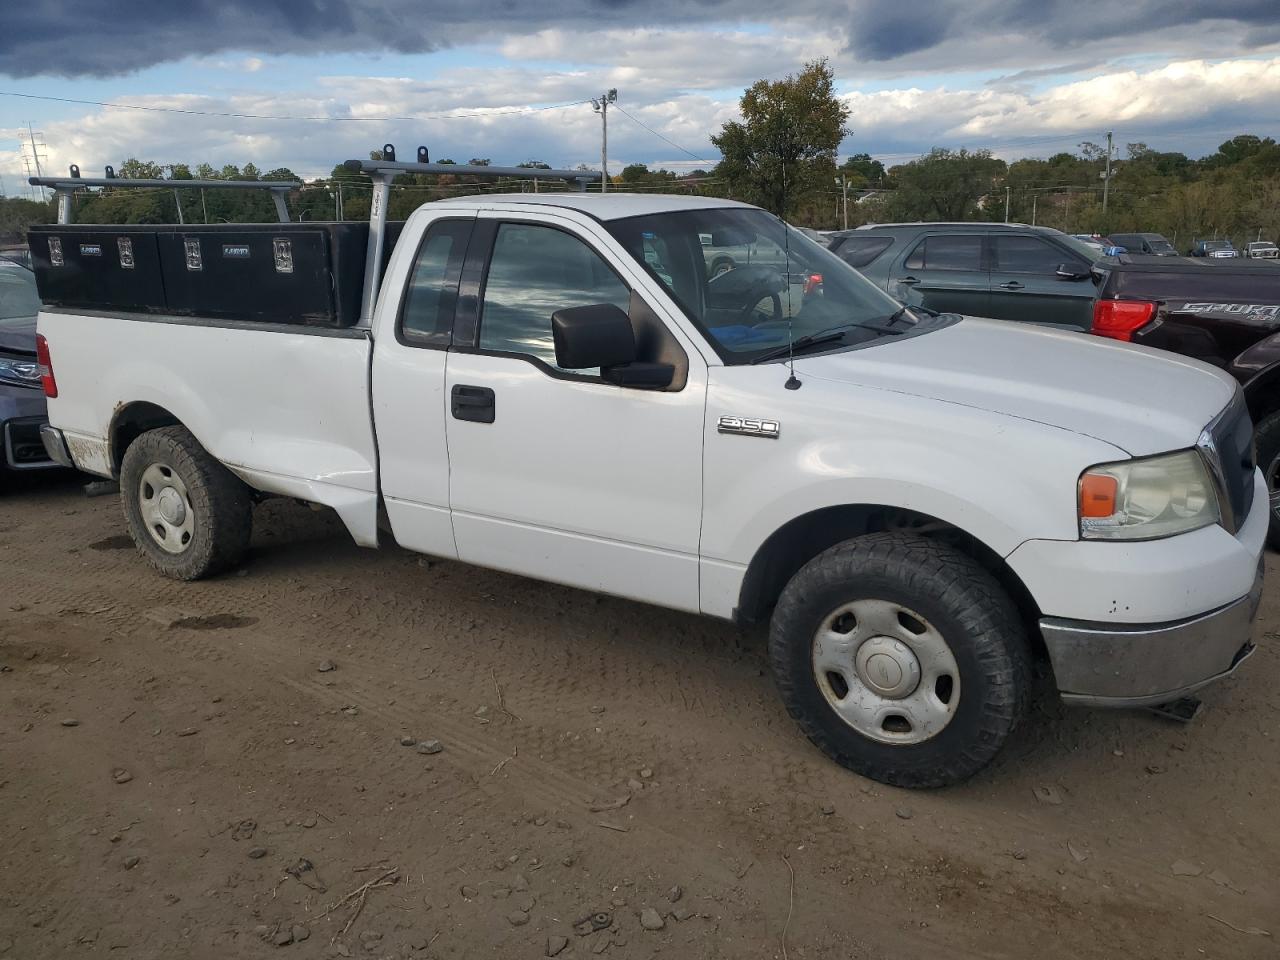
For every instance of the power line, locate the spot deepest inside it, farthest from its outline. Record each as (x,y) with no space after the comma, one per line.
(664,139)
(479,112)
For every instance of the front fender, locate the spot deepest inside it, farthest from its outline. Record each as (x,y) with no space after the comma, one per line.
(1000,479)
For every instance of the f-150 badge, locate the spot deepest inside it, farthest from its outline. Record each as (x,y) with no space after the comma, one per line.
(749,427)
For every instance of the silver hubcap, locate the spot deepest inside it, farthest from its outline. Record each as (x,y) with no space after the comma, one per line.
(166,508)
(886,671)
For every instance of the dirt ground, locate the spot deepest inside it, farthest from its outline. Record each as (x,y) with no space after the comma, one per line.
(181,776)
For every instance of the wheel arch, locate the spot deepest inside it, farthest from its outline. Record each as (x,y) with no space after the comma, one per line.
(802,538)
(130,421)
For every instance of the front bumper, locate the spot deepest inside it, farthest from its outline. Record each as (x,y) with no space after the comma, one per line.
(22,413)
(1135,665)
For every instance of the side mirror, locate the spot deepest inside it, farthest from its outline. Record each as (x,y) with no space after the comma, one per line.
(601,335)
(1072,271)
(597,335)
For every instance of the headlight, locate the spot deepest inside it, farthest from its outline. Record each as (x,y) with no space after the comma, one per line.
(23,371)
(1148,498)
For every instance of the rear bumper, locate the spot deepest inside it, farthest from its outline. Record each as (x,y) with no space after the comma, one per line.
(55,446)
(1138,665)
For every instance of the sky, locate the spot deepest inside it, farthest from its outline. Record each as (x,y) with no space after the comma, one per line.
(512,82)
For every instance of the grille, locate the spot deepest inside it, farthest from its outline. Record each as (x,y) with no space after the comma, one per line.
(1232,434)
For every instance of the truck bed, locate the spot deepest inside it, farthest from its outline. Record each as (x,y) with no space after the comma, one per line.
(286,407)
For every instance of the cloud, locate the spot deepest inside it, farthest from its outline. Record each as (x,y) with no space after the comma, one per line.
(92,38)
(1188,105)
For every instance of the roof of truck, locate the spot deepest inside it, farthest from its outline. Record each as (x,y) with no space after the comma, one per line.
(614,205)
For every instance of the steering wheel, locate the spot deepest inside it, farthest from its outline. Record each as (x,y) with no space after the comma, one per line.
(748,312)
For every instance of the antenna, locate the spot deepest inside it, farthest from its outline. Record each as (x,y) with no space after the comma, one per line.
(793,383)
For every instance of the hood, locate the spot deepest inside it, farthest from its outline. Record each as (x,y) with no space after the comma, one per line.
(18,335)
(1141,400)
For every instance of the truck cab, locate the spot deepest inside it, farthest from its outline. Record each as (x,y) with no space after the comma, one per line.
(562,386)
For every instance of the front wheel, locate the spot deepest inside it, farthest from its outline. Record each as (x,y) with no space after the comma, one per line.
(1266,442)
(901,658)
(188,514)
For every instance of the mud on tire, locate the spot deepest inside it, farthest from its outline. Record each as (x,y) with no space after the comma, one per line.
(212,504)
(934,591)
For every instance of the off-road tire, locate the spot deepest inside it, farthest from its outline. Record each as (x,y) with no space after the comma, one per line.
(220,501)
(968,607)
(1266,441)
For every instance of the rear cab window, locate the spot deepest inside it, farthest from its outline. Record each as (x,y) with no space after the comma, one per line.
(426,311)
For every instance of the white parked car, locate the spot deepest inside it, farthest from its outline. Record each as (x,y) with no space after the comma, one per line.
(556,386)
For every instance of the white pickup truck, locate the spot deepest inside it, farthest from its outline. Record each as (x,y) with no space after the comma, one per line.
(557,385)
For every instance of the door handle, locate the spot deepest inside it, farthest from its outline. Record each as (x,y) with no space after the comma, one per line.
(908,280)
(476,404)
(1011,285)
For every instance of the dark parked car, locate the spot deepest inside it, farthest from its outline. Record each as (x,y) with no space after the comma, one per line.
(1226,313)
(1149,243)
(1216,249)
(22,406)
(1004,270)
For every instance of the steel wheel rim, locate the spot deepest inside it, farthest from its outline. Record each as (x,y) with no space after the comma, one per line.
(166,509)
(886,671)
(1272,476)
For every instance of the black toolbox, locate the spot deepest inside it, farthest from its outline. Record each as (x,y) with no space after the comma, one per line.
(300,273)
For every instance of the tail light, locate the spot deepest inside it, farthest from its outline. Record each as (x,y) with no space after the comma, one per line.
(1120,319)
(812,282)
(46,367)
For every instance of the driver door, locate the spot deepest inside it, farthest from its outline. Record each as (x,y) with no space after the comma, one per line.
(559,474)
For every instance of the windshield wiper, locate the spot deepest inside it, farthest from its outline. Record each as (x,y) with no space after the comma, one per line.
(827,336)
(803,343)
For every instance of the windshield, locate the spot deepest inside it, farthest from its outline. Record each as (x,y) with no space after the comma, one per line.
(1161,246)
(1217,244)
(18,299)
(744,278)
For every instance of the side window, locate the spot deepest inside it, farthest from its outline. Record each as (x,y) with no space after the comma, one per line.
(1016,254)
(860,251)
(947,252)
(535,271)
(432,294)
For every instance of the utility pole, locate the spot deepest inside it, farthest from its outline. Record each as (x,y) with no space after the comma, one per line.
(601,107)
(1106,177)
(1034,198)
(844,198)
(1008,192)
(35,157)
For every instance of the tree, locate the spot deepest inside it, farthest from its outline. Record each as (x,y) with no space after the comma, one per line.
(783,152)
(861,169)
(945,185)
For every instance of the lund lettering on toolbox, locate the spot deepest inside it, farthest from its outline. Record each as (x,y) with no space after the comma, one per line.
(90,249)
(236,251)
(749,427)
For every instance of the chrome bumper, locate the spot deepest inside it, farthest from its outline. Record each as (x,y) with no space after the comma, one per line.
(55,445)
(1122,665)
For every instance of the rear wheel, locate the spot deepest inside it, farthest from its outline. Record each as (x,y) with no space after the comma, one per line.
(1266,441)
(188,514)
(901,658)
